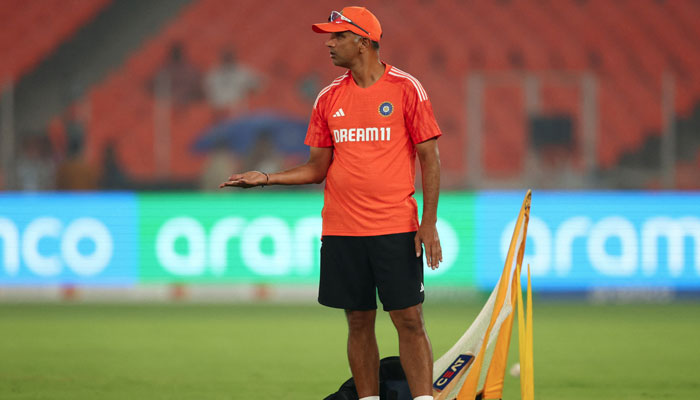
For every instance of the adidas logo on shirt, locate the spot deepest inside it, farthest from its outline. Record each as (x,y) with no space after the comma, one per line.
(339,113)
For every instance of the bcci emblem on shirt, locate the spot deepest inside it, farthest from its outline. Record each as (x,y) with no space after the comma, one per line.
(386,108)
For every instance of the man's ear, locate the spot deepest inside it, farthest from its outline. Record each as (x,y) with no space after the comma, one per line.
(365,44)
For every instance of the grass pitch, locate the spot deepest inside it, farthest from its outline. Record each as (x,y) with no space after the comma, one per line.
(263,351)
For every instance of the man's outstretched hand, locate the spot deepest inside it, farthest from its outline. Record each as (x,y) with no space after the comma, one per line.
(246,180)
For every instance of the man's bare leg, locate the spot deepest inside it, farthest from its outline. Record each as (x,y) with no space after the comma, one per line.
(415,350)
(363,353)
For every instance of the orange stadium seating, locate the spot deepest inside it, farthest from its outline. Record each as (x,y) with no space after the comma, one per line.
(32,29)
(628,45)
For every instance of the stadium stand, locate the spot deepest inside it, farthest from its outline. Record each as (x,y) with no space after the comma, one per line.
(22,45)
(627,45)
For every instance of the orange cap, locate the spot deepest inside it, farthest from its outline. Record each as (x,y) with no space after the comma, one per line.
(363,23)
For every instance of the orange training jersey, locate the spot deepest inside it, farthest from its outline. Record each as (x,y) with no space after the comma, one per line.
(373,132)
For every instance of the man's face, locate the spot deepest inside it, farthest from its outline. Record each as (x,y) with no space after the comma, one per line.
(344,48)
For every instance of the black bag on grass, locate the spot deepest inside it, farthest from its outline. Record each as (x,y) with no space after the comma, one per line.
(392,383)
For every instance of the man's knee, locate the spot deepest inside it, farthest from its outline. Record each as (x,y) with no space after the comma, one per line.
(359,321)
(409,320)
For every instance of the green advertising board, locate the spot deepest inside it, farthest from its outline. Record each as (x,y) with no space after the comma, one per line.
(268,237)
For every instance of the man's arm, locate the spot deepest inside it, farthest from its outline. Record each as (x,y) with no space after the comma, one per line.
(427,234)
(313,171)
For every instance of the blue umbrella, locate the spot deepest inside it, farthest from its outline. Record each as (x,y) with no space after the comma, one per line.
(240,134)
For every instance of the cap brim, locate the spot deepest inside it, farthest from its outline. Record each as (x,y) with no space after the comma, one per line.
(330,27)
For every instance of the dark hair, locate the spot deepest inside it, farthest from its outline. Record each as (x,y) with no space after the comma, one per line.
(373,43)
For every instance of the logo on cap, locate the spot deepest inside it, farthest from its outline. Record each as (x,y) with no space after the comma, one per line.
(386,108)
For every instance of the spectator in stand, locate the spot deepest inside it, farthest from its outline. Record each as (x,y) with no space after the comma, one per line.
(229,84)
(113,176)
(220,160)
(263,156)
(74,173)
(34,168)
(178,80)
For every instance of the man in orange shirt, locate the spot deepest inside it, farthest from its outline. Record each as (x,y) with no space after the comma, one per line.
(365,131)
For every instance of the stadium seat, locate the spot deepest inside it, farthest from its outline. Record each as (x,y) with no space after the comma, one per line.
(628,46)
(23,46)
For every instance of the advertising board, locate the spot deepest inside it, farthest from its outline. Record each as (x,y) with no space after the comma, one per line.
(266,237)
(576,241)
(587,240)
(68,239)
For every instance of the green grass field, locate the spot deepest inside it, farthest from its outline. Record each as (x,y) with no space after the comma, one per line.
(262,351)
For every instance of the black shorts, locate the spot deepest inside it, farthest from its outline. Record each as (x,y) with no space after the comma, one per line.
(355,268)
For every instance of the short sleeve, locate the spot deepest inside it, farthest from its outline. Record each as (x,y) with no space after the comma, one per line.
(418,115)
(318,134)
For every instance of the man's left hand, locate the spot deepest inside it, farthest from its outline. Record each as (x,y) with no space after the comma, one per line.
(427,236)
